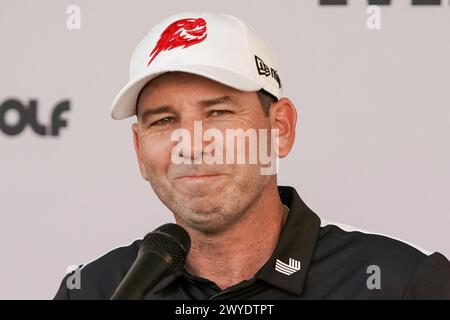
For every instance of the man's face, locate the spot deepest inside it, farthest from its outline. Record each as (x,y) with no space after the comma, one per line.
(206,197)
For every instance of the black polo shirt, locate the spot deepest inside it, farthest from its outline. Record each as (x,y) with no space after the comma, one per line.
(310,261)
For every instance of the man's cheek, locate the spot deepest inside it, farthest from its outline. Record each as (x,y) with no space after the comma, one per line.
(156,157)
(156,146)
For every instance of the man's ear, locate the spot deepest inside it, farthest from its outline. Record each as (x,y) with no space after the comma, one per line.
(135,128)
(283,116)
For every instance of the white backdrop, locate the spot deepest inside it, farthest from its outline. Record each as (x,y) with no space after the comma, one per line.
(372,145)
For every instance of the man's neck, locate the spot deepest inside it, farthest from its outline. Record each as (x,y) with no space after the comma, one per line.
(238,253)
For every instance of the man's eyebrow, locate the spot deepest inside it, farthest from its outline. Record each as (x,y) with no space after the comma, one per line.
(220,100)
(153,111)
(204,103)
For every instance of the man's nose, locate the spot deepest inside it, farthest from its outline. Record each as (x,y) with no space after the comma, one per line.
(193,151)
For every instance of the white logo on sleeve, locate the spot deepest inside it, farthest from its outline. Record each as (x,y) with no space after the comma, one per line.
(288,269)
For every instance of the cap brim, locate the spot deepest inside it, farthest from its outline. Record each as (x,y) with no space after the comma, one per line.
(124,105)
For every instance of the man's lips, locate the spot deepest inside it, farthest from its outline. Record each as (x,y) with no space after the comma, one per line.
(200,175)
(199,179)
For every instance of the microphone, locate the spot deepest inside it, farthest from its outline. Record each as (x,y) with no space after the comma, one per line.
(162,252)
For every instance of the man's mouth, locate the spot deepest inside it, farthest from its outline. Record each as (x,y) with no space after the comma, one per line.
(200,178)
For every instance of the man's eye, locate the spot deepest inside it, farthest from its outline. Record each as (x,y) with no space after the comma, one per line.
(218,112)
(163,121)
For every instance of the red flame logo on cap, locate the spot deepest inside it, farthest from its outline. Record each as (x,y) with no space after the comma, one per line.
(184,32)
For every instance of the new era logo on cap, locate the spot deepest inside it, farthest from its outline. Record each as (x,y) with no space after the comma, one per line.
(265,70)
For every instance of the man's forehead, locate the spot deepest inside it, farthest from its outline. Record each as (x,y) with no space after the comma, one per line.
(204,103)
(177,79)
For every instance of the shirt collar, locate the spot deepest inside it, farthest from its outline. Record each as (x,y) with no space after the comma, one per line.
(297,241)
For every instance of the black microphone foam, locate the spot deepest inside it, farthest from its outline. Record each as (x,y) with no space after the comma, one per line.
(162,252)
(169,239)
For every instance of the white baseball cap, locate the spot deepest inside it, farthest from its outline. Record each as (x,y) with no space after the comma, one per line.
(216,46)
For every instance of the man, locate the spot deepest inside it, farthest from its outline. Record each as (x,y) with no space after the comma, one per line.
(250,237)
